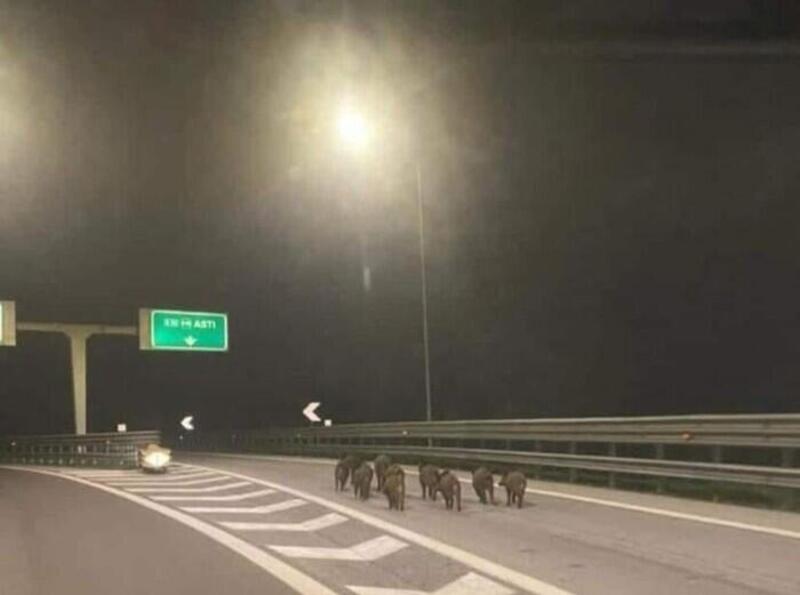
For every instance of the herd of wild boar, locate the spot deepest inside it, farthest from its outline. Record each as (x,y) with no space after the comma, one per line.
(391,481)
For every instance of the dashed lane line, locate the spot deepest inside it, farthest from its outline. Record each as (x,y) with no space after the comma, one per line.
(487,567)
(302,583)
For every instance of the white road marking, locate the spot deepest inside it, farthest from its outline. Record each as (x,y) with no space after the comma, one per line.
(129,474)
(267,509)
(487,567)
(150,484)
(469,584)
(764,529)
(323,522)
(684,516)
(229,498)
(164,479)
(368,551)
(289,575)
(228,486)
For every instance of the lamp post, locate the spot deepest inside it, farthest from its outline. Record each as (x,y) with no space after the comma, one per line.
(355,133)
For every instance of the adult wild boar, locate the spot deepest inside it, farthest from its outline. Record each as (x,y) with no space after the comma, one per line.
(362,481)
(428,478)
(483,482)
(515,484)
(394,486)
(382,463)
(344,469)
(449,486)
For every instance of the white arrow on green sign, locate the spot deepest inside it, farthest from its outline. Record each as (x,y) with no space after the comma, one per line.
(184,331)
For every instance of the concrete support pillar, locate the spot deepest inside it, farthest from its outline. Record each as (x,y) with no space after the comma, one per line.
(77,352)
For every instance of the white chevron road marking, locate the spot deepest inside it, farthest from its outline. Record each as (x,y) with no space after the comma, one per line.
(227,486)
(266,509)
(162,479)
(368,551)
(523,582)
(170,484)
(469,584)
(323,522)
(229,498)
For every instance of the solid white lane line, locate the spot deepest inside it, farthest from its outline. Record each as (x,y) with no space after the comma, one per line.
(229,498)
(151,484)
(368,551)
(267,509)
(322,522)
(482,565)
(469,584)
(292,577)
(697,518)
(684,516)
(228,486)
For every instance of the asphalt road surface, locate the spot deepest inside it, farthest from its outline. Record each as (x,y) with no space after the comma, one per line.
(227,524)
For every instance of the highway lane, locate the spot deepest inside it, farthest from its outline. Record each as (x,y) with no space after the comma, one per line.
(253,520)
(581,546)
(60,537)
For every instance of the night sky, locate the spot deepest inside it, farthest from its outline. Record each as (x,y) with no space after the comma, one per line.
(611,215)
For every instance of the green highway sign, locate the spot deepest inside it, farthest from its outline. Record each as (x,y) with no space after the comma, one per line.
(183,331)
(8,324)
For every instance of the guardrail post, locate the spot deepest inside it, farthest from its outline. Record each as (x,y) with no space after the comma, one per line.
(612,477)
(573,472)
(716,458)
(660,480)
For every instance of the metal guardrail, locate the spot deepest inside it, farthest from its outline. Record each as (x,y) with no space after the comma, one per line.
(106,450)
(698,447)
(776,430)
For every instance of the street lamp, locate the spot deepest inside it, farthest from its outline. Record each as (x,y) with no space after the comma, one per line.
(353,129)
(354,133)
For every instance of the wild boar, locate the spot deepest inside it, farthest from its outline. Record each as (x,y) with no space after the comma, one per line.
(394,487)
(362,481)
(483,482)
(382,463)
(428,478)
(344,469)
(447,483)
(515,484)
(340,475)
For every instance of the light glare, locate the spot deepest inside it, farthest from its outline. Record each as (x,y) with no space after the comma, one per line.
(353,129)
